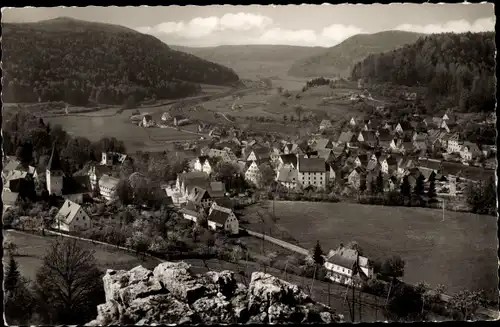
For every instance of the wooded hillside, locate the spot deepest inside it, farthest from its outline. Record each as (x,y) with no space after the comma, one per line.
(458,70)
(76,61)
(339,60)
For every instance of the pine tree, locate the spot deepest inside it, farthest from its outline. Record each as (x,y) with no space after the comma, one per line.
(12,276)
(419,185)
(405,187)
(431,193)
(318,254)
(380,183)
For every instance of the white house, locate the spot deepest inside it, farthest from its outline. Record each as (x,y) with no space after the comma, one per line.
(288,177)
(147,121)
(287,161)
(325,124)
(470,151)
(343,264)
(72,217)
(313,172)
(221,217)
(454,145)
(204,164)
(96,172)
(166,117)
(107,187)
(352,122)
(252,173)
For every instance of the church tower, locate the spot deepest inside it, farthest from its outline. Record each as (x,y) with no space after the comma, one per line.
(54,174)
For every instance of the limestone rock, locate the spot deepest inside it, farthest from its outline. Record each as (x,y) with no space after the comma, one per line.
(171,294)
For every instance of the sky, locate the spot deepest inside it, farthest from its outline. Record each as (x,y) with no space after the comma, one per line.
(306,25)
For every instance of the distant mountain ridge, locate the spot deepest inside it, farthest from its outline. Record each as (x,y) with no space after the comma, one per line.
(340,59)
(265,59)
(66,59)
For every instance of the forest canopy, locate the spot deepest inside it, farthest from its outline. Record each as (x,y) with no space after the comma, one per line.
(458,70)
(69,60)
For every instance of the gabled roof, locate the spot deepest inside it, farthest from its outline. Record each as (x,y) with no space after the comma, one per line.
(344,257)
(472,146)
(194,178)
(289,159)
(325,122)
(148,117)
(217,189)
(68,211)
(288,175)
(261,153)
(368,136)
(321,143)
(312,165)
(76,185)
(363,158)
(108,181)
(218,216)
(385,135)
(197,194)
(54,161)
(346,137)
(324,153)
(372,165)
(405,125)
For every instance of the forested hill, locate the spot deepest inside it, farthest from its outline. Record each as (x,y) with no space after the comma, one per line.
(339,60)
(458,70)
(70,60)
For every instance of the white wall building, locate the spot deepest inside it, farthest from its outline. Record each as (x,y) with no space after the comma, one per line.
(72,217)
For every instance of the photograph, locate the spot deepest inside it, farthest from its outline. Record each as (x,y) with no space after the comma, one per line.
(249,164)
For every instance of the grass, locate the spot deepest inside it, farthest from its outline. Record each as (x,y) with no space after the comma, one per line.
(459,252)
(95,127)
(32,249)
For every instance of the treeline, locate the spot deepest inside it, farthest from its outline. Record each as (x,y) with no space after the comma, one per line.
(80,62)
(458,70)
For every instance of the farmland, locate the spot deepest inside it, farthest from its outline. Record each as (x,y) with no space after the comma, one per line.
(435,251)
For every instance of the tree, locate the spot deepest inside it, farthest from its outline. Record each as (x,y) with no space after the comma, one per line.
(12,275)
(419,185)
(24,153)
(362,183)
(393,267)
(267,176)
(466,303)
(68,285)
(380,183)
(405,187)
(482,197)
(299,109)
(431,192)
(318,254)
(18,296)
(124,192)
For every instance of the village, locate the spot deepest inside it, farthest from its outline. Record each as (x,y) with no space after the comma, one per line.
(370,157)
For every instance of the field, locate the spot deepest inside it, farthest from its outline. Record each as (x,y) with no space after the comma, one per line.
(32,249)
(459,252)
(104,123)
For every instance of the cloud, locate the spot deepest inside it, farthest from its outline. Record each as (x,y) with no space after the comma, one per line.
(455,26)
(248,28)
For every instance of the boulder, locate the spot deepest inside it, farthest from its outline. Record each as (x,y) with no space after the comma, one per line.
(171,294)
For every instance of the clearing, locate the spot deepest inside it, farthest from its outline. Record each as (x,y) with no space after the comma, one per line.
(435,251)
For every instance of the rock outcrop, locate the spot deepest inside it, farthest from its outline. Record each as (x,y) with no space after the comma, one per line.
(172,294)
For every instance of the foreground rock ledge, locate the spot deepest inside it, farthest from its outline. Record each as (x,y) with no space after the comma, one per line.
(172,294)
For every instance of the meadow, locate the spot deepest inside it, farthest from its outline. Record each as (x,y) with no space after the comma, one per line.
(459,252)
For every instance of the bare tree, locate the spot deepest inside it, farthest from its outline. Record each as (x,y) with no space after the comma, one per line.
(68,285)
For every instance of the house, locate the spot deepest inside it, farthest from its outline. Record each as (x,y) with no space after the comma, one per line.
(187,181)
(9,199)
(226,154)
(191,212)
(368,138)
(221,217)
(96,172)
(205,164)
(71,217)
(428,173)
(107,187)
(420,143)
(391,164)
(215,133)
(252,173)
(204,198)
(287,161)
(322,143)
(325,125)
(166,117)
(344,264)
(354,178)
(384,138)
(288,177)
(347,138)
(147,121)
(361,160)
(470,151)
(454,145)
(113,158)
(353,122)
(325,154)
(313,172)
(373,166)
(259,154)
(403,127)
(404,165)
